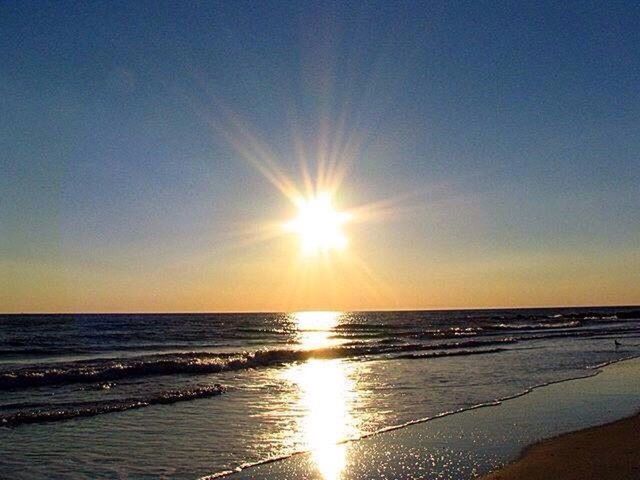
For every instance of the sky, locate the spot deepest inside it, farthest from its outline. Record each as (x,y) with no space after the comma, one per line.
(494,145)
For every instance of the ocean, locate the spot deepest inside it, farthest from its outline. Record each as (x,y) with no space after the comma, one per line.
(186,396)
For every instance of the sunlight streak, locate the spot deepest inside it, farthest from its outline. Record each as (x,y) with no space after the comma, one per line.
(327,259)
(314,328)
(327,392)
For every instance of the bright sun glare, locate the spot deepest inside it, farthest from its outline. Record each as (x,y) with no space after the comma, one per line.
(319,225)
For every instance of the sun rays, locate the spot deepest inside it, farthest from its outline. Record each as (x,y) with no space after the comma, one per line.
(320,227)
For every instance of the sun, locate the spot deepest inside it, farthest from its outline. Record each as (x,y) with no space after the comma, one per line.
(319,225)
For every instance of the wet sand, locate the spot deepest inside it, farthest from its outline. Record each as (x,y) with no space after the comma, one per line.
(608,452)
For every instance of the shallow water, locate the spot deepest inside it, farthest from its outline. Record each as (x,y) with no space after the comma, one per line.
(474,442)
(116,396)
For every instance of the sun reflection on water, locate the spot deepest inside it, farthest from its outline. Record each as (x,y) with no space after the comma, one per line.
(316,328)
(314,321)
(327,392)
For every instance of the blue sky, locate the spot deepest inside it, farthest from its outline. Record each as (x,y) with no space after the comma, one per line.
(517,122)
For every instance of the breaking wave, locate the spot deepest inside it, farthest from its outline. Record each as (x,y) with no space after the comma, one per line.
(90,409)
(106,370)
(459,353)
(532,326)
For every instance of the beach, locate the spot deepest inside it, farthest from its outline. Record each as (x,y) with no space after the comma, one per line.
(607,452)
(482,440)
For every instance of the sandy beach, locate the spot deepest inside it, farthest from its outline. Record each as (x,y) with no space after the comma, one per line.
(608,452)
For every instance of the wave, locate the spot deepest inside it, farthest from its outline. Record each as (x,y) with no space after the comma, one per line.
(630,314)
(421,356)
(107,370)
(599,333)
(44,351)
(90,409)
(532,326)
(605,315)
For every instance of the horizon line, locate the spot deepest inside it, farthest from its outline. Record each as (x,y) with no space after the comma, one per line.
(239,312)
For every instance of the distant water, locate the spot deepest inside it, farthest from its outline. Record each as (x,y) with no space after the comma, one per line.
(187,395)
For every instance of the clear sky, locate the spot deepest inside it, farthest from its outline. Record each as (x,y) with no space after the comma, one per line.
(503,139)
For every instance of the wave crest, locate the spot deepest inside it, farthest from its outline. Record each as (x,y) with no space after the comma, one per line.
(90,409)
(109,370)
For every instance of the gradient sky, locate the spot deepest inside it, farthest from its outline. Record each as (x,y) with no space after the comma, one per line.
(507,133)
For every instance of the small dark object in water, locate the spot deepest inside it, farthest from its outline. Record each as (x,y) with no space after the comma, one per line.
(617,343)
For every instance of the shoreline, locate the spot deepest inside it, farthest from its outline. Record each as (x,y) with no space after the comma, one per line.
(589,372)
(608,452)
(546,411)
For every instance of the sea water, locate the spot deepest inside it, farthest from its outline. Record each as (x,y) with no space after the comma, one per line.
(190,395)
